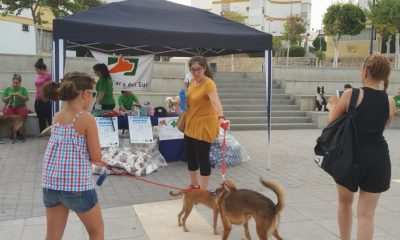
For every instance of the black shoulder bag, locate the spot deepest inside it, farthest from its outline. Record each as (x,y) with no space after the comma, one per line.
(336,148)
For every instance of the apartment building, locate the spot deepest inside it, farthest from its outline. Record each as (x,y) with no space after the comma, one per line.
(264,15)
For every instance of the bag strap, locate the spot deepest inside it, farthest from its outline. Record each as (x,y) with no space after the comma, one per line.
(354,98)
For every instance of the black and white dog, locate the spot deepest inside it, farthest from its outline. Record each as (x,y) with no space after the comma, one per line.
(321,100)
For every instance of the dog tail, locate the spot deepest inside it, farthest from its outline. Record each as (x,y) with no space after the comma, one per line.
(175,194)
(278,190)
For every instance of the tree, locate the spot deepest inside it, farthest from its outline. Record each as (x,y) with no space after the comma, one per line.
(319,44)
(386,18)
(234,16)
(58,7)
(294,27)
(343,19)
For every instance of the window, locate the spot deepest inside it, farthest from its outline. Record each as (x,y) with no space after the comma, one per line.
(25,27)
(47,40)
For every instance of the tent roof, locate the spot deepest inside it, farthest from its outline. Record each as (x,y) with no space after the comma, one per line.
(158,26)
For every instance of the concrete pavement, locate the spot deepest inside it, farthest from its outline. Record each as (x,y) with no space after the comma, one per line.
(310,212)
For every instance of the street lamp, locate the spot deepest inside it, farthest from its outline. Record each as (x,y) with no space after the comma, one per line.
(371,47)
(269,24)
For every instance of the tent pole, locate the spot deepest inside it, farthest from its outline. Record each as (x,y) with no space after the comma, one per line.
(268,79)
(57,67)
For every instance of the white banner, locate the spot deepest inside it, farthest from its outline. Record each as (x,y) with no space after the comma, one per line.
(128,73)
(108,131)
(140,129)
(168,130)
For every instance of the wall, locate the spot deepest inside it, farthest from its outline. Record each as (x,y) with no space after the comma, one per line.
(304,81)
(16,41)
(348,48)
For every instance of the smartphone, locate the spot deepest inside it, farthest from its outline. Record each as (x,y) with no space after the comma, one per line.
(339,93)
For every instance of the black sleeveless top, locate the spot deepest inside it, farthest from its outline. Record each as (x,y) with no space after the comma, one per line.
(372,115)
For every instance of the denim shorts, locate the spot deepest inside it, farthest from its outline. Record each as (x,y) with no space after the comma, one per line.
(76,201)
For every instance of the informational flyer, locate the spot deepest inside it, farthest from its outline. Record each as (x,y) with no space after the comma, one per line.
(140,129)
(108,131)
(168,130)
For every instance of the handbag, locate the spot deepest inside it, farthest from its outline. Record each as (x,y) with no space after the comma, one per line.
(180,124)
(336,148)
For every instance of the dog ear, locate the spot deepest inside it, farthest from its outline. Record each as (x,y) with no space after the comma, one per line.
(318,90)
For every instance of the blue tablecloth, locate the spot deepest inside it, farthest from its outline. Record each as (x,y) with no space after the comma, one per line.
(172,150)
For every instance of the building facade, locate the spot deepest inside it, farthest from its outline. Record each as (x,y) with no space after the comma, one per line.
(19,33)
(264,15)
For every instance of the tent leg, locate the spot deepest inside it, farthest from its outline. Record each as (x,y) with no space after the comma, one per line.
(268,79)
(57,66)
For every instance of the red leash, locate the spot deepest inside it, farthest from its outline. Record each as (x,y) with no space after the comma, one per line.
(223,150)
(141,179)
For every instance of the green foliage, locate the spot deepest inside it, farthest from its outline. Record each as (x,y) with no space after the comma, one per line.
(234,16)
(344,19)
(319,43)
(320,55)
(386,17)
(276,44)
(296,51)
(295,26)
(58,7)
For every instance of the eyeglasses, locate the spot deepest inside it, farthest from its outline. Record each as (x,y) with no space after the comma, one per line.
(92,91)
(193,70)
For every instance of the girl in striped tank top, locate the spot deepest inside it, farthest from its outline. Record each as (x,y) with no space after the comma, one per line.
(73,146)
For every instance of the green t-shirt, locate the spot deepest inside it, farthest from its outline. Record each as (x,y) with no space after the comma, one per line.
(105,85)
(127,102)
(397,101)
(15,101)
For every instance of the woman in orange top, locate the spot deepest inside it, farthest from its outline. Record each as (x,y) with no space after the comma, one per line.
(203,117)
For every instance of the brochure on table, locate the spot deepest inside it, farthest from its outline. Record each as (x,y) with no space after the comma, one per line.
(140,129)
(168,130)
(108,131)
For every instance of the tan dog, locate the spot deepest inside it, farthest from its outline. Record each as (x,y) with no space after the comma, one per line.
(237,206)
(16,124)
(192,197)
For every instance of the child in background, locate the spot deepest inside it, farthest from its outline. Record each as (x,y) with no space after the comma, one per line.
(73,146)
(126,100)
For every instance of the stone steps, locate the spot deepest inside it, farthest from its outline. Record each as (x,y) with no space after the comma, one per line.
(243,96)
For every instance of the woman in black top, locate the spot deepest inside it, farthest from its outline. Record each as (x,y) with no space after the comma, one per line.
(375,111)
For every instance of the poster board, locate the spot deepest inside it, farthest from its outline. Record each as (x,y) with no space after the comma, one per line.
(168,129)
(140,129)
(108,131)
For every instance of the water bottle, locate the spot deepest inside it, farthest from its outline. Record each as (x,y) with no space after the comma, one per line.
(182,97)
(101,178)
(150,109)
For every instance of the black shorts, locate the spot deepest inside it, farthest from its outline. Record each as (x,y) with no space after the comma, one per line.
(372,174)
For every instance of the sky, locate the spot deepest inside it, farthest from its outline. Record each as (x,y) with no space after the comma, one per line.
(317,10)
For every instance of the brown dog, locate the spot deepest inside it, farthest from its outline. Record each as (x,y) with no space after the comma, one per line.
(192,197)
(237,206)
(16,124)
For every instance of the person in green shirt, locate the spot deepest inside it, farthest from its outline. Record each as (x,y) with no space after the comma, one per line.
(126,100)
(397,101)
(104,87)
(15,98)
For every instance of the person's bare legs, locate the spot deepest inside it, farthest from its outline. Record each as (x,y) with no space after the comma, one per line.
(204,182)
(365,214)
(56,218)
(194,177)
(93,222)
(345,214)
